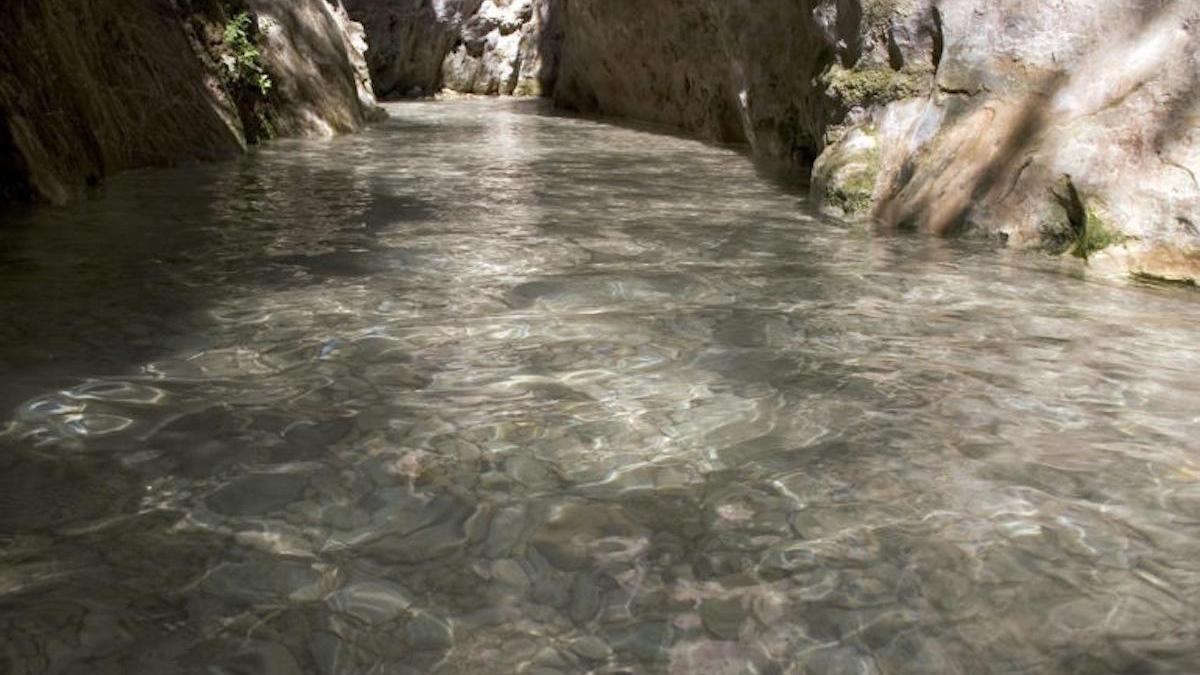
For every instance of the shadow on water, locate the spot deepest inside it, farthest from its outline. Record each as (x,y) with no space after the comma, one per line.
(118,279)
(484,391)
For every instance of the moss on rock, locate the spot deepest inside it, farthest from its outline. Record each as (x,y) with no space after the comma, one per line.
(872,85)
(845,176)
(1095,235)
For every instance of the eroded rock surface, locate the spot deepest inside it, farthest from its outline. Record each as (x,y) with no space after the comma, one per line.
(470,46)
(99,86)
(1066,126)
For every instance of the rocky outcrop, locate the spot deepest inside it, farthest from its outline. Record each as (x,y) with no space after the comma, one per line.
(316,57)
(1068,126)
(507,47)
(470,46)
(92,87)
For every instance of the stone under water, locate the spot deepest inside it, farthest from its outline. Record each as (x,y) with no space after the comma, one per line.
(486,389)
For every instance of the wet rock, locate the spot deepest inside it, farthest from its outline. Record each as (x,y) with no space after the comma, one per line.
(568,536)
(836,661)
(505,532)
(401,511)
(423,545)
(315,440)
(265,658)
(531,473)
(585,598)
(548,657)
(257,494)
(723,618)
(263,580)
(332,655)
(719,658)
(552,590)
(591,648)
(510,572)
(645,641)
(371,601)
(103,633)
(427,633)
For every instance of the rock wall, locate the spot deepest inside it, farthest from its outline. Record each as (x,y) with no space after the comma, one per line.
(773,73)
(1067,125)
(506,47)
(471,46)
(92,87)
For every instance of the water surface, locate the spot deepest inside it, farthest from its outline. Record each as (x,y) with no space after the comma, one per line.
(485,390)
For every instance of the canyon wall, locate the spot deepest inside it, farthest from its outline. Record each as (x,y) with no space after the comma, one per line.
(471,46)
(1067,125)
(92,87)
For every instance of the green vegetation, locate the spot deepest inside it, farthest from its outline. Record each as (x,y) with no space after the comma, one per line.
(243,61)
(1094,236)
(1086,232)
(854,195)
(848,179)
(874,85)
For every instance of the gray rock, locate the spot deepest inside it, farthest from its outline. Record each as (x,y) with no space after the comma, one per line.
(371,601)
(510,572)
(591,648)
(257,494)
(552,590)
(505,532)
(585,599)
(723,618)
(426,633)
(470,46)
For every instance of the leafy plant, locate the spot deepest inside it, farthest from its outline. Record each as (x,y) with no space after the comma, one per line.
(243,62)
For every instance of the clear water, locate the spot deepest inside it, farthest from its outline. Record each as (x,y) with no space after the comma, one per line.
(486,390)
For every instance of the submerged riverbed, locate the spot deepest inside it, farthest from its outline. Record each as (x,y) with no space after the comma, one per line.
(486,390)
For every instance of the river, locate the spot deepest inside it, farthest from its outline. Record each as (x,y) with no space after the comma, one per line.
(487,389)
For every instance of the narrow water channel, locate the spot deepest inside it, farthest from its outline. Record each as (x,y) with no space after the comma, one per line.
(487,390)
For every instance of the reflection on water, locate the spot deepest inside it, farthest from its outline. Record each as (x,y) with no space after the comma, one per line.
(488,391)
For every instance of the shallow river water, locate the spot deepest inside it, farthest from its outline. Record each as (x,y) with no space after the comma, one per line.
(486,390)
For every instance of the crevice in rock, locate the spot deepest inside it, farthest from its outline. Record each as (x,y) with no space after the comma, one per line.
(14,175)
(938,37)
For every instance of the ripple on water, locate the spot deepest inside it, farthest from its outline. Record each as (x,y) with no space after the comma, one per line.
(515,394)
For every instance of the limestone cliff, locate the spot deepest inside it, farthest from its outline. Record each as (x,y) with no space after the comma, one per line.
(1068,125)
(92,87)
(470,46)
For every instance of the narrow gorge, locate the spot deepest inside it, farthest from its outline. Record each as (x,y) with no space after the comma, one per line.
(605,337)
(1055,126)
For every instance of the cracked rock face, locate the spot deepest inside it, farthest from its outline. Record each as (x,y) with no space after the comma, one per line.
(471,46)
